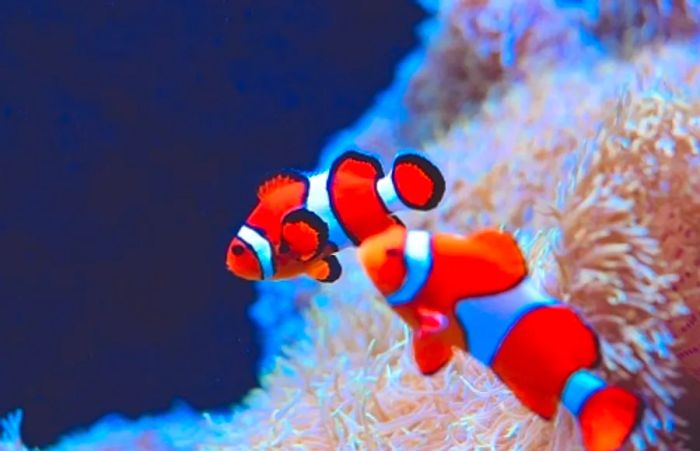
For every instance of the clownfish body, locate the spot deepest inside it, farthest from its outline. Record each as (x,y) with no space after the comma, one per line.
(474,293)
(301,220)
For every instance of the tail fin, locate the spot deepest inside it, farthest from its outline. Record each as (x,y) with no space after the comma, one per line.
(607,415)
(419,184)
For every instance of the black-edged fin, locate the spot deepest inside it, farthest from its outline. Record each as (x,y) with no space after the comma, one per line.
(357,163)
(398,221)
(417,181)
(305,233)
(283,180)
(352,180)
(326,270)
(430,353)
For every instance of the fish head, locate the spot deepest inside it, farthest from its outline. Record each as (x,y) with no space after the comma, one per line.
(250,255)
(382,258)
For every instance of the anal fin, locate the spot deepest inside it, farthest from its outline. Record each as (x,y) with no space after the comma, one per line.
(431,351)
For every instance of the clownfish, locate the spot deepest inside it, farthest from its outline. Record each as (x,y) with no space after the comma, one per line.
(473,293)
(301,219)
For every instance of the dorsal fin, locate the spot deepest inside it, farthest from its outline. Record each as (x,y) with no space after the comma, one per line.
(502,249)
(279,181)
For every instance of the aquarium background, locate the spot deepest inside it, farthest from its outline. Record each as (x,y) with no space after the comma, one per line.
(132,138)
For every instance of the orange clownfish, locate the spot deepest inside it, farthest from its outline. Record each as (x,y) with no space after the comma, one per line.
(301,220)
(474,293)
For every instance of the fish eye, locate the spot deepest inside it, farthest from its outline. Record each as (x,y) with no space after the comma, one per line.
(393,252)
(237,249)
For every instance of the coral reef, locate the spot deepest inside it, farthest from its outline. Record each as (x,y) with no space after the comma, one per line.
(574,124)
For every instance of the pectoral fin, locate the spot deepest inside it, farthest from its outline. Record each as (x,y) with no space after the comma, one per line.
(325,270)
(431,351)
(304,233)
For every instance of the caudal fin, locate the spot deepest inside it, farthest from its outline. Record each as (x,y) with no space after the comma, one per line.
(419,184)
(608,418)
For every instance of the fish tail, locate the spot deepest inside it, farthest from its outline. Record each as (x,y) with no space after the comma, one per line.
(607,415)
(414,181)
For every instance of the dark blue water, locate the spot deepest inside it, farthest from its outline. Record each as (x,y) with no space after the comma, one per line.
(132,136)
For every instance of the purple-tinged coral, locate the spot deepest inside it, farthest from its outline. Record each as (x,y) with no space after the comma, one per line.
(477,46)
(624,25)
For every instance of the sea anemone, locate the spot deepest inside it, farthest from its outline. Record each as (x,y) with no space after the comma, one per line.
(592,165)
(598,246)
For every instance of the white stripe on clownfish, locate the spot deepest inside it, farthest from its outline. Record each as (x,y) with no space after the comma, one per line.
(261,248)
(318,202)
(579,387)
(487,320)
(387,193)
(418,259)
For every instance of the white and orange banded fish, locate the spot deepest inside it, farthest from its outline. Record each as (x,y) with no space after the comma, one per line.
(473,293)
(301,219)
